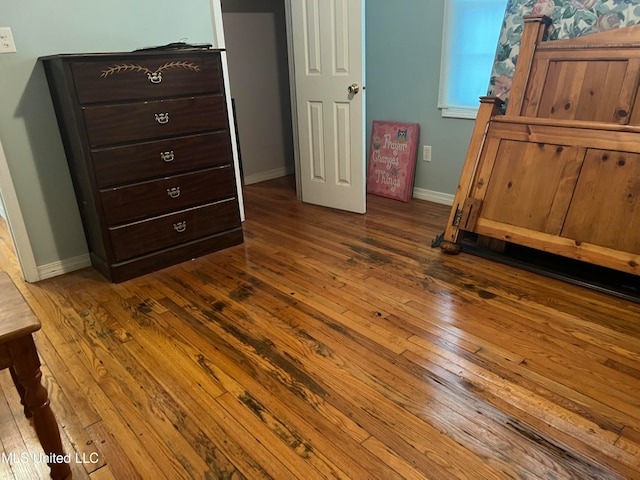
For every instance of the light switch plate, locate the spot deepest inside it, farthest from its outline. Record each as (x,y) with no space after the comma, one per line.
(426,153)
(7,45)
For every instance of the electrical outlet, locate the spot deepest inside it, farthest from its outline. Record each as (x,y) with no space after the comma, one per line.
(7,45)
(426,153)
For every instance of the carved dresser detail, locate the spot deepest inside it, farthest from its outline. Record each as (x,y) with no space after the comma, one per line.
(147,140)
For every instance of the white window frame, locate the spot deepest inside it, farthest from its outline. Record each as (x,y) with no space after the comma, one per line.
(451,111)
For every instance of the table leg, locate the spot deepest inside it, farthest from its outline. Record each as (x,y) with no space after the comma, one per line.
(26,366)
(20,390)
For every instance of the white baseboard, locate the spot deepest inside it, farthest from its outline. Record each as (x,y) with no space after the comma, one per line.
(419,193)
(431,196)
(268,175)
(64,266)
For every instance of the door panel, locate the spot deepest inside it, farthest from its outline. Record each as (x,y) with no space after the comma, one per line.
(342,115)
(317,158)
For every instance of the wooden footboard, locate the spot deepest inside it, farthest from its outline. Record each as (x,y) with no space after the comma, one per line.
(560,171)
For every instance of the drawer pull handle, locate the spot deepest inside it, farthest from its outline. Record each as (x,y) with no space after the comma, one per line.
(167,156)
(154,77)
(180,227)
(162,118)
(173,192)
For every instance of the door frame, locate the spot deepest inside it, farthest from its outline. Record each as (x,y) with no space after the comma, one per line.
(219,42)
(293,99)
(15,222)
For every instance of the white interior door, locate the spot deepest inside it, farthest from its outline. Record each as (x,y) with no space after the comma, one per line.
(328,61)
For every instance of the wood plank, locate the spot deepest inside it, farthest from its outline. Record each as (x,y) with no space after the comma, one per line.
(488,109)
(66,343)
(532,34)
(605,209)
(315,333)
(17,455)
(523,171)
(606,257)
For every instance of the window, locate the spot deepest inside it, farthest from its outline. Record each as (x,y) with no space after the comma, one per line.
(470,39)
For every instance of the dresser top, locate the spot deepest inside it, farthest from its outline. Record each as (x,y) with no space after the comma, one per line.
(151,52)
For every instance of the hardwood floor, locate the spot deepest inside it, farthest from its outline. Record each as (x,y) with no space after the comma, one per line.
(332,345)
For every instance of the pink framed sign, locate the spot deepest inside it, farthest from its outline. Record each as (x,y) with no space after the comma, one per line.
(392,159)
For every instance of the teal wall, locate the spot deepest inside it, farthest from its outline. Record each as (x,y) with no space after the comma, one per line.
(403,41)
(28,129)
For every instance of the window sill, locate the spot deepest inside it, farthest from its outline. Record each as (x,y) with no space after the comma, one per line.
(459,112)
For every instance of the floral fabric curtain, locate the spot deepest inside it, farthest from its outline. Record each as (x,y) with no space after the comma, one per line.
(571,18)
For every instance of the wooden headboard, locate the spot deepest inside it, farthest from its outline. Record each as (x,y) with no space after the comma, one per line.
(560,170)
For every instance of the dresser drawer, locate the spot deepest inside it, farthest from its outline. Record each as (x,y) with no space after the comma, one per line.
(120,78)
(142,161)
(127,122)
(145,199)
(154,234)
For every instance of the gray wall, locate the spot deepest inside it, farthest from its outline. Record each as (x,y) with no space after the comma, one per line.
(28,128)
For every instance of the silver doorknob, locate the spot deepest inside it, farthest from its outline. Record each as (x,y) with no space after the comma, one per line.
(353,88)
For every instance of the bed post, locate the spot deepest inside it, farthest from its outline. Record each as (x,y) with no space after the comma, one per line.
(534,29)
(489,106)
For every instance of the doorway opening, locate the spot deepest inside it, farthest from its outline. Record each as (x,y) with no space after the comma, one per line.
(256,43)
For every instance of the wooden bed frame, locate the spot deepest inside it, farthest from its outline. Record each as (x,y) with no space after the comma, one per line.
(560,170)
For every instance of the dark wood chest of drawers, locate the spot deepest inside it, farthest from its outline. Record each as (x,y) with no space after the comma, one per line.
(147,141)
